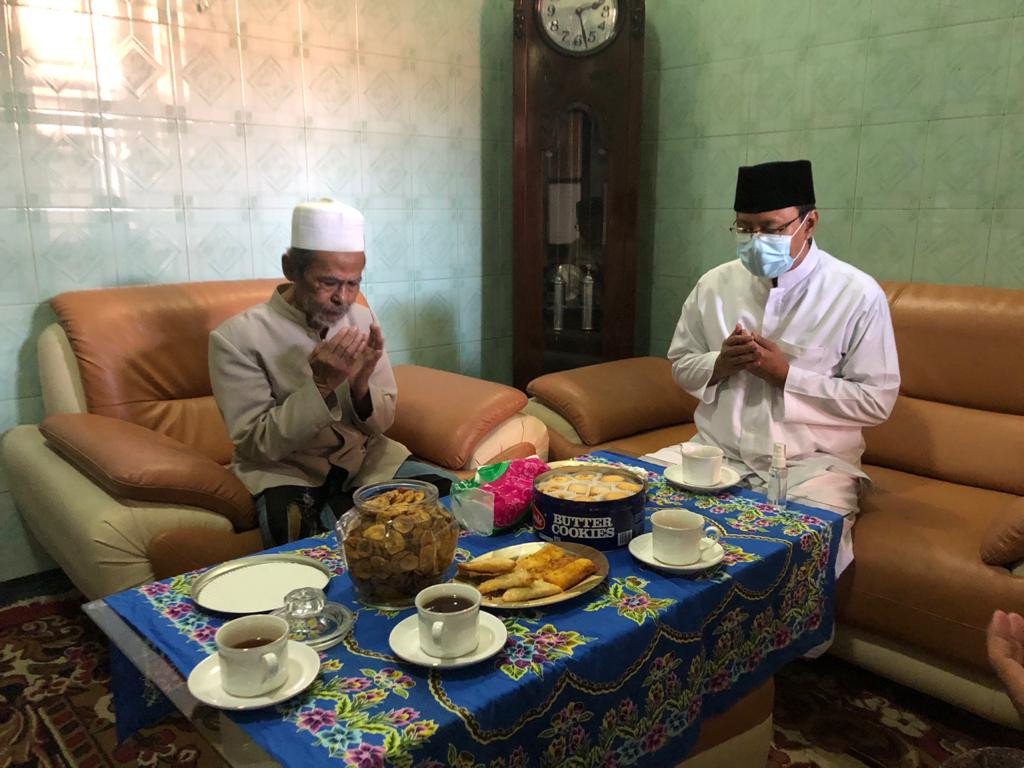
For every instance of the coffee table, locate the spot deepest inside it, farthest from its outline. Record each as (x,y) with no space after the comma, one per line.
(629,671)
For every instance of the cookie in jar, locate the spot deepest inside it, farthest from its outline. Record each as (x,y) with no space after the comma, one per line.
(397,540)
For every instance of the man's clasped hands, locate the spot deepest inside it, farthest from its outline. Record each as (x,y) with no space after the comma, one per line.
(349,355)
(752,352)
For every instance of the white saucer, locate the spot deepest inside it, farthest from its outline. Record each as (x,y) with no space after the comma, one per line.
(728,479)
(642,549)
(303,666)
(405,642)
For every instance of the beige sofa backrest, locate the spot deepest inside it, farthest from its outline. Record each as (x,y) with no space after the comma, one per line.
(960,414)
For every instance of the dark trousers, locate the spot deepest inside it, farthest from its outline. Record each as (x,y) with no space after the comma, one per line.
(290,512)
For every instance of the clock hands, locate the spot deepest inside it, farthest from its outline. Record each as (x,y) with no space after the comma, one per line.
(583,30)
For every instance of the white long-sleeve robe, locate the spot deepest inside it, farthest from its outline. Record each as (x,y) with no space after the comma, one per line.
(832,322)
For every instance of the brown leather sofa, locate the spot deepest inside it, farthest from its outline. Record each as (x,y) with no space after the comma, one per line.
(940,536)
(126,479)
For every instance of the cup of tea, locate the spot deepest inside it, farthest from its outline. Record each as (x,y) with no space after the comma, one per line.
(253,654)
(449,615)
(701,464)
(680,536)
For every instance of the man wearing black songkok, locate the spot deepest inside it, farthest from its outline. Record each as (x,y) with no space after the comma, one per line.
(787,344)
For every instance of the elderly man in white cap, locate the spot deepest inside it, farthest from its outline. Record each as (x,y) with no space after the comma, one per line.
(305,386)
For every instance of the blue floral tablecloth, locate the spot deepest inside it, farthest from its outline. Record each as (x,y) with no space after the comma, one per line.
(620,676)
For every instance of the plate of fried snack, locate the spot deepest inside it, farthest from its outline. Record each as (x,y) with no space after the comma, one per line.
(534,574)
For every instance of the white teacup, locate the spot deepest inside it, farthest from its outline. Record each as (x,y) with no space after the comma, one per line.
(449,615)
(680,536)
(253,654)
(701,464)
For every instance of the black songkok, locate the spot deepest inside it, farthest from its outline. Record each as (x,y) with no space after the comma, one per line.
(771,186)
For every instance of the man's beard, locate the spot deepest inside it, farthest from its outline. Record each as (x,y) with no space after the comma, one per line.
(320,318)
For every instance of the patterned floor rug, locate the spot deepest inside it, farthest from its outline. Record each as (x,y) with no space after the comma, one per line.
(55,707)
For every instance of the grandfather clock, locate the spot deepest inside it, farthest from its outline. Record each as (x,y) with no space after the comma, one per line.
(578,74)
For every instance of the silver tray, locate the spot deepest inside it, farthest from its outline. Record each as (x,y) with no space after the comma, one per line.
(257,584)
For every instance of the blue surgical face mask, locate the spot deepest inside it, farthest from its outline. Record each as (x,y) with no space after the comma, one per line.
(766,255)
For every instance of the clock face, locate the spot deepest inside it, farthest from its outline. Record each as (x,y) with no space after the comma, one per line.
(578,27)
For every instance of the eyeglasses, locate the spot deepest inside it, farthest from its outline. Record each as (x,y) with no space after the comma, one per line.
(741,231)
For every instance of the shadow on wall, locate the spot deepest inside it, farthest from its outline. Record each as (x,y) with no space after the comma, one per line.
(647,195)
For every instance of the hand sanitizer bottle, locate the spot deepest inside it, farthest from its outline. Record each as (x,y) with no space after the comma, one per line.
(778,478)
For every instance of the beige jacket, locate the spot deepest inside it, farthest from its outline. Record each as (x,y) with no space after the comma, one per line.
(283,431)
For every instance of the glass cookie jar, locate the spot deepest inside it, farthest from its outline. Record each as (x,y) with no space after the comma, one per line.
(397,540)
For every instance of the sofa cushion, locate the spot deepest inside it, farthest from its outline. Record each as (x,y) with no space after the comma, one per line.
(917,576)
(441,416)
(649,442)
(611,400)
(1003,543)
(132,462)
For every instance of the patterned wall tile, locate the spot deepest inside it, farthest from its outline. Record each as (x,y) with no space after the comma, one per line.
(12,191)
(335,165)
(890,166)
(960,163)
(17,267)
(901,84)
(434,28)
(443,358)
(667,297)
(384,94)
(384,26)
(964,11)
(1010,183)
(133,60)
(778,94)
(770,147)
(20,553)
(1015,84)
(674,36)
(728,30)
(781,25)
(149,247)
(331,23)
(435,169)
(883,243)
(213,164)
(219,245)
(835,83)
(395,307)
(23,410)
(272,83)
(386,182)
(331,88)
(62,155)
(435,244)
(276,161)
(6,86)
(469,298)
(972,63)
(947,247)
(270,19)
(496,360)
(835,231)
(702,172)
(471,359)
(477,174)
(481,241)
(433,95)
(833,154)
(389,247)
(467,84)
(73,250)
(154,11)
(725,96)
(1004,267)
(271,236)
(837,21)
(496,308)
(74,6)
(891,16)
(143,164)
(52,60)
(219,16)
(19,328)
(207,74)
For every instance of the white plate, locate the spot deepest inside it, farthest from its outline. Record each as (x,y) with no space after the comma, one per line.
(642,548)
(257,584)
(303,666)
(728,479)
(405,642)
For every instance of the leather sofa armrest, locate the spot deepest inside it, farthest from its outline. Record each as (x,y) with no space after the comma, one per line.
(131,462)
(1003,543)
(441,416)
(616,399)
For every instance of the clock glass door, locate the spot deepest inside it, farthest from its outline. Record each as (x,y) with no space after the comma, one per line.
(575,236)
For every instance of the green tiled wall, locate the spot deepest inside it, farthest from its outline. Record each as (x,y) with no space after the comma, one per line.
(910,111)
(158,141)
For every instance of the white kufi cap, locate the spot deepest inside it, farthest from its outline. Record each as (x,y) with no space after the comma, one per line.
(325,225)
